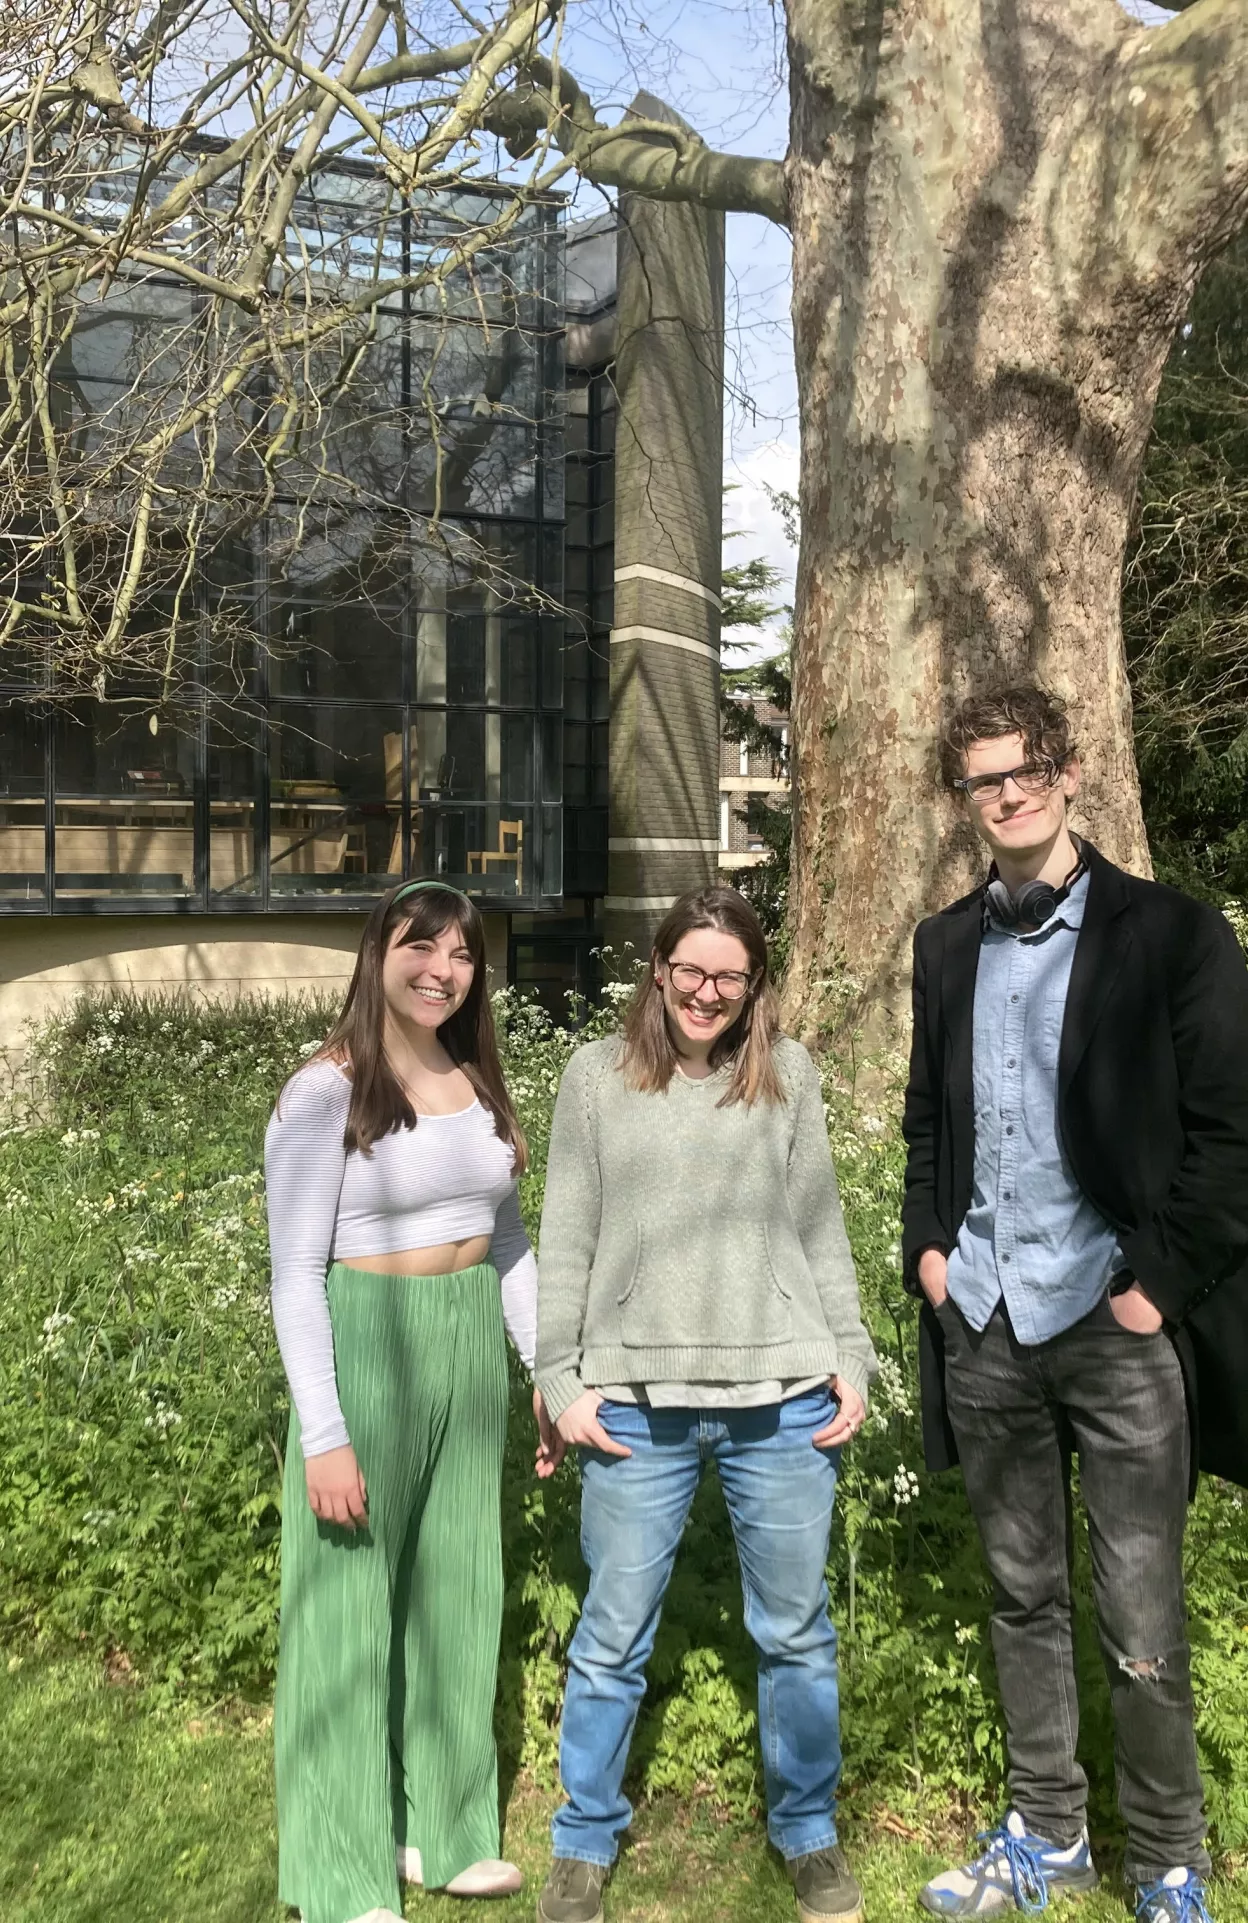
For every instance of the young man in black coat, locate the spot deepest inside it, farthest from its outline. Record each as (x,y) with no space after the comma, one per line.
(1076,1221)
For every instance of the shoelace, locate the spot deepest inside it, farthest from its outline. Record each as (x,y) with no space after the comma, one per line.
(568,1872)
(1022,1854)
(1189,1900)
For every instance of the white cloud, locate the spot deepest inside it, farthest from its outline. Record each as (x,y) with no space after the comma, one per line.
(761,533)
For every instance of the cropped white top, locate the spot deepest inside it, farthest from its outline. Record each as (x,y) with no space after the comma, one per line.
(446,1180)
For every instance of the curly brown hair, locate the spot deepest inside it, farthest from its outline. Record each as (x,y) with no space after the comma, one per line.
(1021,708)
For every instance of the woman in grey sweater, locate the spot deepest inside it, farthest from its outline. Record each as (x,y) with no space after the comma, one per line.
(697,1303)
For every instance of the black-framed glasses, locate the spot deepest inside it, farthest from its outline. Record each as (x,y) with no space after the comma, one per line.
(730,985)
(1032,779)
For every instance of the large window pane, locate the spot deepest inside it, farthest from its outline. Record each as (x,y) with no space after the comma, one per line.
(464,771)
(516,758)
(22,810)
(336,795)
(125,808)
(349,650)
(466,649)
(481,850)
(234,778)
(233,596)
(518,663)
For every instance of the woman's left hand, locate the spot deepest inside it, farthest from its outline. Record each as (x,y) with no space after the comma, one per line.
(849,1418)
(551,1447)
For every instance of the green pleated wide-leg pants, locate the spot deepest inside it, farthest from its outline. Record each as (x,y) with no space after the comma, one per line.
(383,1727)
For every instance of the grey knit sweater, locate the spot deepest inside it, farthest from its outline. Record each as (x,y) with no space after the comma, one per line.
(684,1242)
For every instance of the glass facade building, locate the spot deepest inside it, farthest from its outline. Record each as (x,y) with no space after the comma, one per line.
(366,677)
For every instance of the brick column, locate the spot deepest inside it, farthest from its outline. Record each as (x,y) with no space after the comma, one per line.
(664,741)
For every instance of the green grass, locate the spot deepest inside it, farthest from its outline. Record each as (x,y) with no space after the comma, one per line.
(117,1810)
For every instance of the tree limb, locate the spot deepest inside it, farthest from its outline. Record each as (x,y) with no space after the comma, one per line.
(647,157)
(1181,104)
(419,66)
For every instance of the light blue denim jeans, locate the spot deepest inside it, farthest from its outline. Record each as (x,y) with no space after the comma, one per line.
(779,1489)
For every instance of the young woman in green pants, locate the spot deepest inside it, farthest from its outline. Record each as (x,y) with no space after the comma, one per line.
(391,1163)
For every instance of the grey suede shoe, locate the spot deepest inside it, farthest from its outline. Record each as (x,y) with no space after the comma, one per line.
(573,1892)
(825,1889)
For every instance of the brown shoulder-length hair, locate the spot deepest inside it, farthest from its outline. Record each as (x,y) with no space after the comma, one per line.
(379,1103)
(649,1057)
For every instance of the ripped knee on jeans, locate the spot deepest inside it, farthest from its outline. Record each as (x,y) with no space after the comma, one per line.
(1144,1669)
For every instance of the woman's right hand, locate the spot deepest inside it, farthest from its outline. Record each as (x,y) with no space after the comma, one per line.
(579,1423)
(933,1268)
(336,1489)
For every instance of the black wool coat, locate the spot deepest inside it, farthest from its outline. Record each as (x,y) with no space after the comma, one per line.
(1153,1113)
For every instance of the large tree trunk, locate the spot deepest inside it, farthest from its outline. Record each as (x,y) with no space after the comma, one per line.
(999,211)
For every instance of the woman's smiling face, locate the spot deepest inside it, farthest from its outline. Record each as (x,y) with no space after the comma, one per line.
(426,981)
(699,1016)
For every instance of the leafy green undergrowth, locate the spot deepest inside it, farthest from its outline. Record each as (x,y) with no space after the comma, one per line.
(118,1807)
(143,1418)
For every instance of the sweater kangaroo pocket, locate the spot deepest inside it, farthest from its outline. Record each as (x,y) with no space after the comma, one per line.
(733,1297)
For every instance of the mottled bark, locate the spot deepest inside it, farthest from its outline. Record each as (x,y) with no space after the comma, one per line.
(999,210)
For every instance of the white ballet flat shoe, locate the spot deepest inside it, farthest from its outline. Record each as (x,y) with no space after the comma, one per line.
(490,1877)
(371,1916)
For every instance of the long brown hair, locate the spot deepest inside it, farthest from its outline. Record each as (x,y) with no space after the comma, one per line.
(379,1102)
(650,1056)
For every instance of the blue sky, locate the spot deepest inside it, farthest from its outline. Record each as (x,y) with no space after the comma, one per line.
(721,64)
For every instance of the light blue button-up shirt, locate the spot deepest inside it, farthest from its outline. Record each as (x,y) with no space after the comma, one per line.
(1030,1234)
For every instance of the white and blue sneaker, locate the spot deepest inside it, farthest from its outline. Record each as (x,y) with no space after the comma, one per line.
(1176,1897)
(1017,1871)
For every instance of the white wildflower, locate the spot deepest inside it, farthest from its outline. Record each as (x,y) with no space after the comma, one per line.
(905,1486)
(891,1394)
(54,1327)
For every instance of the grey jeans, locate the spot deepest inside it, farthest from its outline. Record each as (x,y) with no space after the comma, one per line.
(1116,1399)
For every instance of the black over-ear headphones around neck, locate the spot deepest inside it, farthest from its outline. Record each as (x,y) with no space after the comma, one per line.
(1036,901)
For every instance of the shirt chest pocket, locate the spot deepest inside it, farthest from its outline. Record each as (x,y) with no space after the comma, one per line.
(1048,1030)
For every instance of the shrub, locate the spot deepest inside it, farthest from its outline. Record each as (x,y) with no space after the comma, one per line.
(144,1412)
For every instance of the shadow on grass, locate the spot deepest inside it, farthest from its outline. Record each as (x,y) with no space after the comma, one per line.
(118,1811)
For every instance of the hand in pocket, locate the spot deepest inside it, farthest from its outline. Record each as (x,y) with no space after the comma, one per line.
(1132,1310)
(579,1423)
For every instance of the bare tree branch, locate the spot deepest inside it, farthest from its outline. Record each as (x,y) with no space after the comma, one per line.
(420,66)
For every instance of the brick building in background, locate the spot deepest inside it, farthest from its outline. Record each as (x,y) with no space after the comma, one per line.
(751,777)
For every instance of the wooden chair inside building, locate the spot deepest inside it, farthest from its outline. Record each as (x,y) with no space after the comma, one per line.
(355,857)
(509,854)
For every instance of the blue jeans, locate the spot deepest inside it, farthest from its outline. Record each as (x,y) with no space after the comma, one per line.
(779,1491)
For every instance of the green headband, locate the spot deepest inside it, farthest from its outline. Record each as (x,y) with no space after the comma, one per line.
(410,887)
